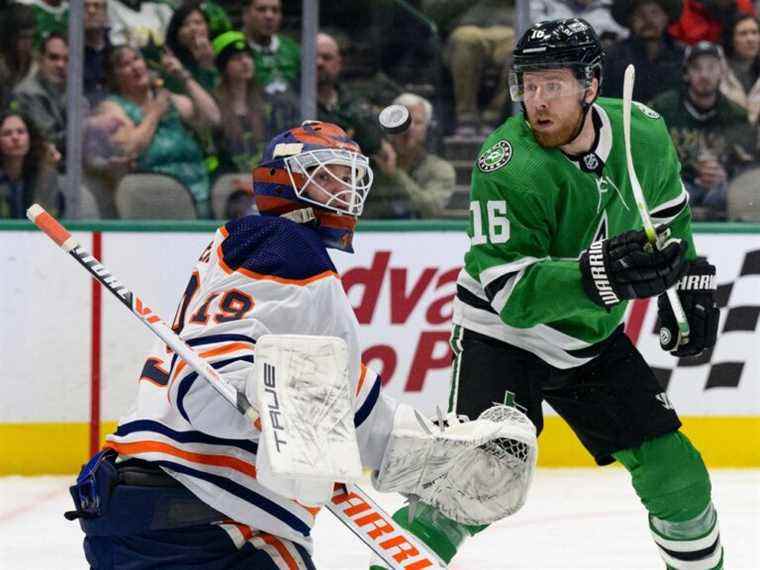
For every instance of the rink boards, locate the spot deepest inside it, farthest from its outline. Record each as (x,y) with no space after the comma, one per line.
(64,341)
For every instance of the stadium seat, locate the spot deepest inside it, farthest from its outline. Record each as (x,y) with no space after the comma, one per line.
(224,187)
(150,196)
(743,197)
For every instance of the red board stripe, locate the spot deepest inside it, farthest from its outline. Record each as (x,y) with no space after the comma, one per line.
(96,318)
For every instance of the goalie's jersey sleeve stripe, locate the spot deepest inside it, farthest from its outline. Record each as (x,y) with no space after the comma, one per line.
(187,382)
(185,437)
(135,448)
(366,408)
(209,354)
(264,247)
(281,555)
(212,339)
(362,378)
(241,492)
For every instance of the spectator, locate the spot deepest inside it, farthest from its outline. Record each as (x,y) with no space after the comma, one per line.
(250,116)
(52,17)
(709,132)
(277,57)
(103,161)
(138,23)
(153,122)
(97,45)
(187,38)
(17,29)
(27,167)
(595,12)
(336,105)
(416,184)
(704,20)
(216,17)
(657,57)
(741,83)
(479,45)
(42,95)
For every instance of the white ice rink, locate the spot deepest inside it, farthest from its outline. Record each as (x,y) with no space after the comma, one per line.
(574,519)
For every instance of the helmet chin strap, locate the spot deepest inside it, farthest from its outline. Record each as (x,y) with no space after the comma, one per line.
(302,216)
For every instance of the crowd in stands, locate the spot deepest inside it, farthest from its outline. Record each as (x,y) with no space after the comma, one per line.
(190,90)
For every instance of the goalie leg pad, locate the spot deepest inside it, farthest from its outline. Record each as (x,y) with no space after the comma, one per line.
(671,479)
(472,472)
(300,386)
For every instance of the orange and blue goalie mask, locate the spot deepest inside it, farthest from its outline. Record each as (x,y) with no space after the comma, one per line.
(315,165)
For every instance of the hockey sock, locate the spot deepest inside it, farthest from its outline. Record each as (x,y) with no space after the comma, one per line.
(441,534)
(671,480)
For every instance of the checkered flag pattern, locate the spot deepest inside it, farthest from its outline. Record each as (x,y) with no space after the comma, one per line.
(740,313)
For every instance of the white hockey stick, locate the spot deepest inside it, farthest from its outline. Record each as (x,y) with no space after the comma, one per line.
(638,194)
(394,545)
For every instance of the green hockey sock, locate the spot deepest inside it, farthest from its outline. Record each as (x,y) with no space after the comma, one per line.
(440,533)
(672,482)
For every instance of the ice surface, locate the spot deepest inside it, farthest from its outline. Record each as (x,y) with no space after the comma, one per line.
(574,519)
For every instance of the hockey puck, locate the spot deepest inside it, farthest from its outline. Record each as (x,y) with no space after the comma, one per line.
(395,119)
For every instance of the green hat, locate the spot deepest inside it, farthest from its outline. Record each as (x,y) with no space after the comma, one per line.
(622,9)
(228,44)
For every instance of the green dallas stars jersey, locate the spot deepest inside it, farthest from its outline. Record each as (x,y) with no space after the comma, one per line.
(534,210)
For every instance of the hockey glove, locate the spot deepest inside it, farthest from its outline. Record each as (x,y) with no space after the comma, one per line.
(627,266)
(697,293)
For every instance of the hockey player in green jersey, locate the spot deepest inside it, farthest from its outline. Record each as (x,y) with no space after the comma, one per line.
(556,251)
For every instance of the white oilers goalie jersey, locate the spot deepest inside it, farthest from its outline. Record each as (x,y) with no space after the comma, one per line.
(260,275)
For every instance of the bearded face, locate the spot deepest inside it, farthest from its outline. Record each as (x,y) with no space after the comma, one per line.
(552,102)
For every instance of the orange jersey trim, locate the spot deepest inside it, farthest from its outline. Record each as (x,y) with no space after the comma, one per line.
(264,277)
(362,378)
(235,346)
(281,550)
(285,281)
(137,447)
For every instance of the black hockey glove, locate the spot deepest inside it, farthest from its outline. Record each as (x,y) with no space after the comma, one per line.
(696,289)
(629,267)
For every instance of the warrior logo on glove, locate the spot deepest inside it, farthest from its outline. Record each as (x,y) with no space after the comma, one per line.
(696,289)
(629,267)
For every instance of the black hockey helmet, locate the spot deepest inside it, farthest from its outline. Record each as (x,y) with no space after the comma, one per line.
(553,44)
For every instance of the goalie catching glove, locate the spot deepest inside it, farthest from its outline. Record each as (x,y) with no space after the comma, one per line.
(696,289)
(472,472)
(627,266)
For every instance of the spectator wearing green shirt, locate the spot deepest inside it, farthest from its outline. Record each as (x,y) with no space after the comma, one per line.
(277,57)
(52,16)
(187,38)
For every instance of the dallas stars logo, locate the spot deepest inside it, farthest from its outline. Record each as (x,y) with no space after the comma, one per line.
(495,156)
(651,113)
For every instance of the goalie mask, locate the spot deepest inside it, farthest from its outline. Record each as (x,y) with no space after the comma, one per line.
(315,174)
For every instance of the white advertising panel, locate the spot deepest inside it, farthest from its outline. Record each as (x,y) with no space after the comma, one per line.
(401,285)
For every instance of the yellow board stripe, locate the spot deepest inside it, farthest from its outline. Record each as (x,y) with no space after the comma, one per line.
(722,441)
(61,448)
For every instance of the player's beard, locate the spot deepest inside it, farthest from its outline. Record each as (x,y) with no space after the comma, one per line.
(564,130)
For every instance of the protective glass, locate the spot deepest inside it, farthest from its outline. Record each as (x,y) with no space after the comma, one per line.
(344,192)
(546,83)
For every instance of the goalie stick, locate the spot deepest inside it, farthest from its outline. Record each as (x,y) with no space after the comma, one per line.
(675,303)
(399,549)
